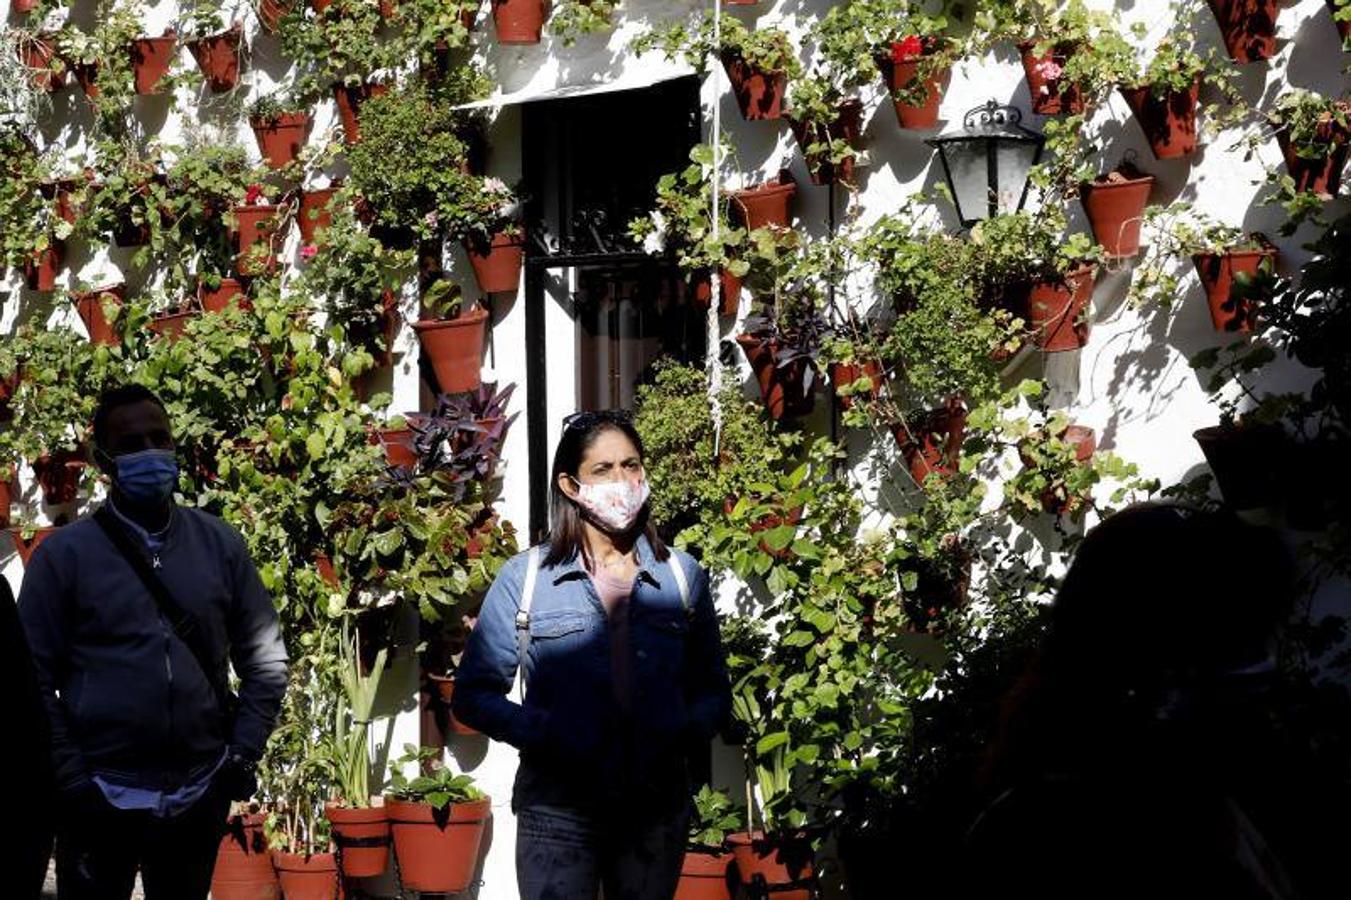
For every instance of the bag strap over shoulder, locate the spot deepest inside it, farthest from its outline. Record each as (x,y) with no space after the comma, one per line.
(682,583)
(532,563)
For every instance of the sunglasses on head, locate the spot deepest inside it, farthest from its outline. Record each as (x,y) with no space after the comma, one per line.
(589,419)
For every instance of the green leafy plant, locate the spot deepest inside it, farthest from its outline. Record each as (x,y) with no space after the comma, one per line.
(860,39)
(571,19)
(438,788)
(764,49)
(715,817)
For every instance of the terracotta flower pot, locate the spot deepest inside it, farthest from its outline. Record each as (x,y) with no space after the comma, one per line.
(1246,461)
(729,290)
(1217,271)
(6,497)
(323,564)
(454,348)
(171,325)
(782,388)
(444,688)
(518,21)
(25,548)
(921,116)
(1084,440)
(280,139)
(1051,95)
(314,213)
(847,125)
(243,864)
(842,374)
(1322,175)
(768,204)
(437,856)
(151,58)
(1248,27)
(62,192)
(38,54)
(1055,310)
(58,475)
(307,878)
(89,305)
(704,875)
(498,269)
(218,299)
(398,446)
(1343,26)
(87,75)
(1168,120)
(271,12)
(349,99)
(256,224)
(363,837)
(320,5)
(934,444)
(218,58)
(40,272)
(22,7)
(759,94)
(782,862)
(1115,205)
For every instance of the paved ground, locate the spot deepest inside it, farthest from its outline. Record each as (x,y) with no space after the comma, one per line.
(49,889)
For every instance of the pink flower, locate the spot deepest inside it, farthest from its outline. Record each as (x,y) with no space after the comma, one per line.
(907,50)
(1048,69)
(308,251)
(254,194)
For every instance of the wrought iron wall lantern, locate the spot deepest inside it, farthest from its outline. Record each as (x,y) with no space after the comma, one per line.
(987,162)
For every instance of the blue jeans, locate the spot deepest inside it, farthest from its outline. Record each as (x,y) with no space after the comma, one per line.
(564,854)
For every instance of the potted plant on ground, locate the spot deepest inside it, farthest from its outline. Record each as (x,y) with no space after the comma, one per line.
(1313,133)
(759,63)
(281,124)
(213,45)
(452,336)
(243,868)
(704,872)
(1115,204)
(437,819)
(827,127)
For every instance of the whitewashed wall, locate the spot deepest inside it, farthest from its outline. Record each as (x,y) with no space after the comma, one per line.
(1131,383)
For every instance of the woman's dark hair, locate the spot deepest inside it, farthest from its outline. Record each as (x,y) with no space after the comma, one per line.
(566,534)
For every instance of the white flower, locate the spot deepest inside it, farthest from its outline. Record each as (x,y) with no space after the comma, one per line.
(654,243)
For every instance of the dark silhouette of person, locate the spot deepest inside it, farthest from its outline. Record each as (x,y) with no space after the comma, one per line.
(32,788)
(148,745)
(616,640)
(1137,756)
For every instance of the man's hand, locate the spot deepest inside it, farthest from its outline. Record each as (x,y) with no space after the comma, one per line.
(237,777)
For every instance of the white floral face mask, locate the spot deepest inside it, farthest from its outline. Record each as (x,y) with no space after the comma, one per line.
(613,505)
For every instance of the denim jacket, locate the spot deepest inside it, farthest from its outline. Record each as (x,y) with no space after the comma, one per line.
(579,749)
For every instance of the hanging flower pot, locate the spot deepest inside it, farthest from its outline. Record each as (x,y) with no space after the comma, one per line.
(933,444)
(218,299)
(170,324)
(151,58)
(271,12)
(25,547)
(783,863)
(846,126)
(454,349)
(307,877)
(1085,443)
(349,99)
(518,21)
(497,267)
(729,289)
(1168,119)
(1248,27)
(758,93)
(398,446)
(38,54)
(243,864)
(782,388)
(62,192)
(90,306)
(362,835)
(704,875)
(1320,174)
(22,7)
(87,75)
(320,5)
(842,374)
(435,854)
(39,272)
(1246,460)
(1050,93)
(314,213)
(218,58)
(6,496)
(768,204)
(1232,313)
(1056,310)
(256,225)
(280,137)
(441,695)
(58,475)
(1115,204)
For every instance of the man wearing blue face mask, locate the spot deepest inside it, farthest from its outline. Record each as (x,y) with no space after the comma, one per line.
(135,615)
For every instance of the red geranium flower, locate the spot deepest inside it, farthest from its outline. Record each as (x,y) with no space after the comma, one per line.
(254,194)
(907,50)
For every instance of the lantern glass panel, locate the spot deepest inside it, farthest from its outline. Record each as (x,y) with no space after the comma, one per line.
(1013,160)
(969,177)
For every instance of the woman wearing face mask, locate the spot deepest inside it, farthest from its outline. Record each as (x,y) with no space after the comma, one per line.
(615,638)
